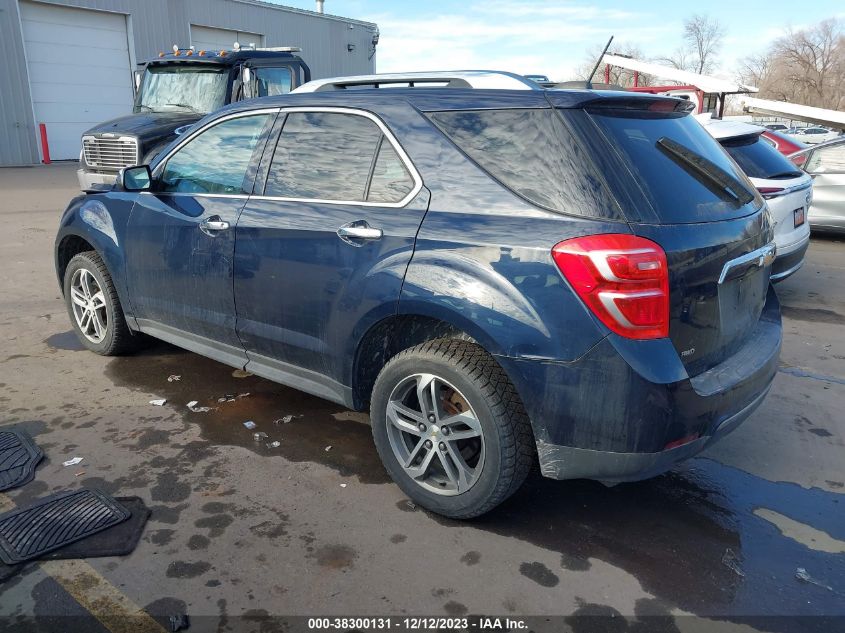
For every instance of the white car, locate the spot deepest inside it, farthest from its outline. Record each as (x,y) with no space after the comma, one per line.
(814,135)
(826,164)
(787,190)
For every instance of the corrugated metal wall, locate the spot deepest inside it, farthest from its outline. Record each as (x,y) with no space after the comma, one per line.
(156,25)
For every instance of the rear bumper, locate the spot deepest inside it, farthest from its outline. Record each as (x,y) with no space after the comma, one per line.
(622,415)
(790,259)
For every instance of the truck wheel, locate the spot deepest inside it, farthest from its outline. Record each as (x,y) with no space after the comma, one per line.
(94,307)
(450,428)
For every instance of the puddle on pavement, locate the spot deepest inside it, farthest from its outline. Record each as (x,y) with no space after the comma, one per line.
(317,423)
(65,341)
(682,535)
(673,532)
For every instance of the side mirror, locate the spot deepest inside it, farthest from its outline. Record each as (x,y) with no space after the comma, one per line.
(137,178)
(137,77)
(246,82)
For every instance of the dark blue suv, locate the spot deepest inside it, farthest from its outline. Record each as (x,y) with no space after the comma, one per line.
(504,277)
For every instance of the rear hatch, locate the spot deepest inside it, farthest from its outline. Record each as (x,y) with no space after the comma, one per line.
(678,188)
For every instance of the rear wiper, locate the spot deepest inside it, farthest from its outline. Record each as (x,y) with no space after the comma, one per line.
(706,172)
(785,174)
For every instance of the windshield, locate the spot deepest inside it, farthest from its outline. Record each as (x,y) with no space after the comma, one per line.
(183,88)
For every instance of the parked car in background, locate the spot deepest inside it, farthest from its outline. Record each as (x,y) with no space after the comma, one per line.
(814,135)
(787,190)
(476,267)
(776,127)
(540,79)
(176,89)
(786,145)
(826,164)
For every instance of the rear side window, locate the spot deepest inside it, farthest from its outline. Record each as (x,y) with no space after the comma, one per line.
(337,157)
(684,174)
(759,159)
(827,160)
(535,155)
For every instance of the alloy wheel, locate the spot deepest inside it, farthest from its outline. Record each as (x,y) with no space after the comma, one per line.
(89,305)
(435,434)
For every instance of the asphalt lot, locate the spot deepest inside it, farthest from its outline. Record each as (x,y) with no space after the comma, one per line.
(240,531)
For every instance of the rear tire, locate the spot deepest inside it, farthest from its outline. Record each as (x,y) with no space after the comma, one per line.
(450,428)
(94,307)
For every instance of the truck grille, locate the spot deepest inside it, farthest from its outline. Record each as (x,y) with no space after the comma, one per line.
(110,153)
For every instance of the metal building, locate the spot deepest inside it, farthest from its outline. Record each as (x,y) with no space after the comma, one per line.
(69,63)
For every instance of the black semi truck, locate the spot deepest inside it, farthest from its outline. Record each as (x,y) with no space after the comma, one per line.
(176,89)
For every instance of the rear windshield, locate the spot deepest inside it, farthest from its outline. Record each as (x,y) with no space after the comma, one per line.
(682,171)
(758,159)
(535,154)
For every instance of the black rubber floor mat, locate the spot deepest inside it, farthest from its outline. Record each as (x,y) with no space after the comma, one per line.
(55,521)
(18,458)
(118,540)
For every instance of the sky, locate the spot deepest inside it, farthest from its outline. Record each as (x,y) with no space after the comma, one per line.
(552,37)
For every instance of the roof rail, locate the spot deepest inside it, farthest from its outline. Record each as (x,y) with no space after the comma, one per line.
(489,79)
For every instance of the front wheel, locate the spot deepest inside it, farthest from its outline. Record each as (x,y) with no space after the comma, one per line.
(450,428)
(94,307)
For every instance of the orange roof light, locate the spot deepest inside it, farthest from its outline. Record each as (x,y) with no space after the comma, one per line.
(222,53)
(202,53)
(189,53)
(160,54)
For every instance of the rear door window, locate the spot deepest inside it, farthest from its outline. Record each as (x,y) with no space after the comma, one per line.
(759,159)
(827,160)
(337,157)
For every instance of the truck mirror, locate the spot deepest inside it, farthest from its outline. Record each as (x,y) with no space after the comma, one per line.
(137,77)
(246,82)
(136,178)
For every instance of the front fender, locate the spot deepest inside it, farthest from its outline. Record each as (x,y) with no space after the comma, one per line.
(101,221)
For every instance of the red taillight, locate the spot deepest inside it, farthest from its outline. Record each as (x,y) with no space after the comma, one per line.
(770,192)
(799,160)
(623,279)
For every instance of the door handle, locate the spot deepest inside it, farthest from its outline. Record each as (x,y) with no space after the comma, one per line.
(211,225)
(356,232)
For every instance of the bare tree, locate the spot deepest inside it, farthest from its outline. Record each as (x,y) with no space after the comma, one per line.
(805,66)
(703,35)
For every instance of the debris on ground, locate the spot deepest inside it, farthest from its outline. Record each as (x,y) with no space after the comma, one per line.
(328,448)
(343,485)
(241,373)
(178,622)
(249,424)
(243,395)
(801,574)
(73,461)
(274,444)
(174,378)
(287,419)
(261,435)
(159,402)
(229,397)
(192,405)
(731,561)
(79,474)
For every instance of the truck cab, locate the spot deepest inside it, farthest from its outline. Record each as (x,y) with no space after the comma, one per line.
(176,89)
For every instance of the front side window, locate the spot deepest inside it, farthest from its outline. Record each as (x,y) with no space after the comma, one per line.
(215,161)
(180,87)
(338,157)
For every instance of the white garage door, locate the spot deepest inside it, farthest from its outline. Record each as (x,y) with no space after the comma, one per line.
(79,70)
(212,39)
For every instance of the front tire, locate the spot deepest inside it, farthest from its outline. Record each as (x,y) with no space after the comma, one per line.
(450,428)
(94,307)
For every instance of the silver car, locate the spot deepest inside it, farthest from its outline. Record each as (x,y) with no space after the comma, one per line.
(826,164)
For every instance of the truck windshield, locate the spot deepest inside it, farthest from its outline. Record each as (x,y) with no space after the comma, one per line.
(183,87)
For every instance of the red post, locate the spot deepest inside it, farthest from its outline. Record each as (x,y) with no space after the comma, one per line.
(45,147)
(636,79)
(607,73)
